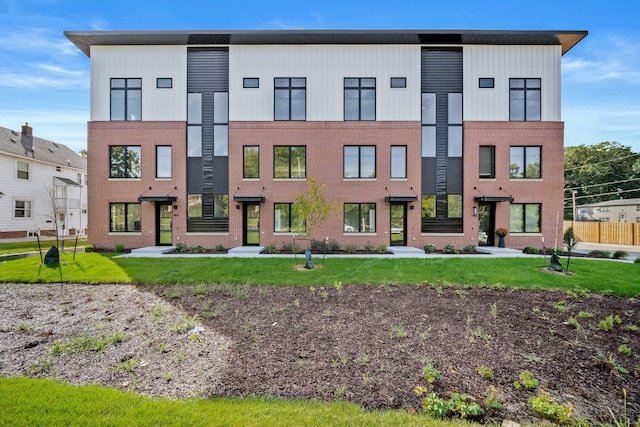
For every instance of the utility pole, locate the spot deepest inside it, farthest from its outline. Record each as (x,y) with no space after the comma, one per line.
(573,194)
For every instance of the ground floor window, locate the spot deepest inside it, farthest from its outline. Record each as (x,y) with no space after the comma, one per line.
(125,217)
(525,217)
(286,218)
(22,209)
(194,205)
(454,206)
(360,217)
(221,206)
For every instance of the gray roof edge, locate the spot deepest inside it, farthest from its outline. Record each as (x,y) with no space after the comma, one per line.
(85,39)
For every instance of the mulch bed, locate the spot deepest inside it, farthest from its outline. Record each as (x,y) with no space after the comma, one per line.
(369,344)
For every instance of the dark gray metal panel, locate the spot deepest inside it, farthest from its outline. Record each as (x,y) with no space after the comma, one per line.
(428,175)
(441,225)
(454,175)
(208,70)
(207,205)
(201,225)
(221,174)
(194,175)
(442,69)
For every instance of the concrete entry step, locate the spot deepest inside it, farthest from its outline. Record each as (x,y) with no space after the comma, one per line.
(245,250)
(405,250)
(153,250)
(503,252)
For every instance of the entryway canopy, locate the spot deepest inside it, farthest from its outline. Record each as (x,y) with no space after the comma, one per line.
(249,198)
(493,199)
(400,198)
(66,181)
(157,198)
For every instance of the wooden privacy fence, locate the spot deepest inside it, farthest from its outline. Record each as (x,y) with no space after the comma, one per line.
(614,233)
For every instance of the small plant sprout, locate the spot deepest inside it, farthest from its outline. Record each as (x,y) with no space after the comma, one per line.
(398,332)
(486,372)
(625,350)
(527,380)
(544,406)
(430,373)
(494,310)
(608,323)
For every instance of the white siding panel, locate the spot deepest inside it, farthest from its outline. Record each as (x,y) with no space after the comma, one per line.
(148,63)
(502,63)
(325,68)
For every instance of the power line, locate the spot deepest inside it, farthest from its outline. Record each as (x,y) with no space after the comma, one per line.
(599,185)
(601,194)
(604,161)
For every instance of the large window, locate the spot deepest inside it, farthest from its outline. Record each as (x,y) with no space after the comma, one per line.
(360,161)
(125,217)
(359,98)
(359,217)
(125,161)
(194,205)
(22,209)
(290,162)
(428,206)
(454,206)
(290,98)
(22,169)
(487,161)
(221,206)
(251,162)
(286,219)
(524,100)
(194,124)
(221,124)
(454,128)
(428,125)
(525,218)
(126,99)
(163,161)
(525,162)
(399,161)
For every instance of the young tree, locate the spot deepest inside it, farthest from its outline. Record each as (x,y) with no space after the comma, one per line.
(312,207)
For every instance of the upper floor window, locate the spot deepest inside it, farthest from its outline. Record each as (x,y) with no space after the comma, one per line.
(125,161)
(125,217)
(524,217)
(290,98)
(286,219)
(79,178)
(525,162)
(164,83)
(126,99)
(398,82)
(194,124)
(22,169)
(454,128)
(163,161)
(359,98)
(360,217)
(290,162)
(398,161)
(221,124)
(22,209)
(524,100)
(251,83)
(487,161)
(251,161)
(360,161)
(428,124)
(486,83)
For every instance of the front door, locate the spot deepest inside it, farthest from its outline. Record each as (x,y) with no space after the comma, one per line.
(251,235)
(164,224)
(486,224)
(399,224)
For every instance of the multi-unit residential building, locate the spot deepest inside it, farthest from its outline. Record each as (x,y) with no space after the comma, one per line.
(43,186)
(417,137)
(622,210)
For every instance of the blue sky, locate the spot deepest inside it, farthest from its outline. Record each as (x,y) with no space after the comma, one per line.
(44,79)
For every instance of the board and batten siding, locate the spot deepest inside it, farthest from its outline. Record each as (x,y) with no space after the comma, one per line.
(324,67)
(147,63)
(502,63)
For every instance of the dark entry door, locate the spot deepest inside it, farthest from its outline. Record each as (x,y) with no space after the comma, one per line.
(164,224)
(486,224)
(251,234)
(398,224)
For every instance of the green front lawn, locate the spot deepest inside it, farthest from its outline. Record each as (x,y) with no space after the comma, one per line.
(18,247)
(593,275)
(27,402)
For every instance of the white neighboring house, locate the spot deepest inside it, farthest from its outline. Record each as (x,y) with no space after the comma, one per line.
(35,176)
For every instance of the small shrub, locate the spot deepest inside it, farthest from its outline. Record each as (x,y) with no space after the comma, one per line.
(220,248)
(119,248)
(89,248)
(528,381)
(543,405)
(469,249)
(637,260)
(464,405)
(181,247)
(434,406)
(196,249)
(271,249)
(291,248)
(351,249)
(381,249)
(450,249)
(620,255)
(486,372)
(429,249)
(531,250)
(369,248)
(597,253)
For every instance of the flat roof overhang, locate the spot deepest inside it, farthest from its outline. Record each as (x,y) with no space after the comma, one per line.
(85,39)
(400,198)
(249,198)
